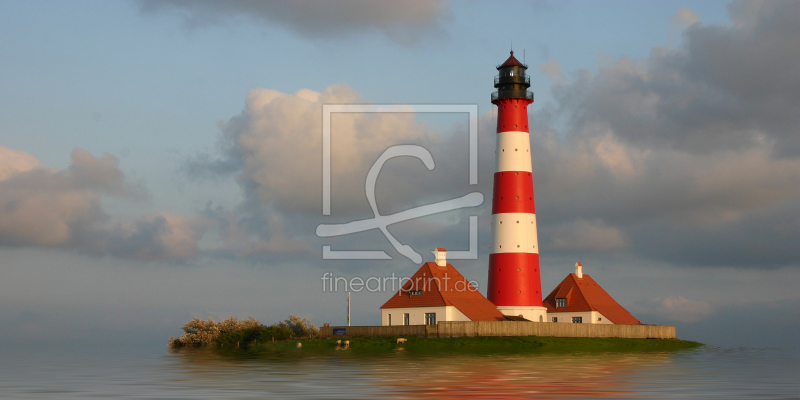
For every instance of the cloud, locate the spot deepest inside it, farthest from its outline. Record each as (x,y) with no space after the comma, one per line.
(679,309)
(404,22)
(584,235)
(252,231)
(15,161)
(277,140)
(42,206)
(274,148)
(685,17)
(157,237)
(553,70)
(595,190)
(726,87)
(672,157)
(692,153)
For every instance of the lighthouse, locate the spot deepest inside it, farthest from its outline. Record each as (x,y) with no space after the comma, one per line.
(514,280)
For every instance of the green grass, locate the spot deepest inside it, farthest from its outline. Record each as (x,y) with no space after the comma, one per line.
(476,345)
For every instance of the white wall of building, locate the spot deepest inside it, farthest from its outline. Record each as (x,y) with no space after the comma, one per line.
(417,315)
(589,317)
(531,313)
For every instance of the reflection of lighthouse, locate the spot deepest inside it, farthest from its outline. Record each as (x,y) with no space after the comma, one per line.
(514,282)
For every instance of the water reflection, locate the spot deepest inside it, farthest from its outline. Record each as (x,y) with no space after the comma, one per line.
(509,377)
(402,375)
(704,373)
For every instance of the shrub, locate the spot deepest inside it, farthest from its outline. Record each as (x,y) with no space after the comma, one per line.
(199,332)
(301,327)
(277,332)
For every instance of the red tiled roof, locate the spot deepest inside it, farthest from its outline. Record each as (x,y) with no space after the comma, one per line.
(512,61)
(445,286)
(584,294)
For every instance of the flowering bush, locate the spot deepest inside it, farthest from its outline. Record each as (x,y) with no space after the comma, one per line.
(199,332)
(301,327)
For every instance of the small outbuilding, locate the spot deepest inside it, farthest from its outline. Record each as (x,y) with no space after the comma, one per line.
(579,299)
(438,292)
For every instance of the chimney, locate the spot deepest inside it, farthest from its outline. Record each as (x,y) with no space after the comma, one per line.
(441,256)
(579,269)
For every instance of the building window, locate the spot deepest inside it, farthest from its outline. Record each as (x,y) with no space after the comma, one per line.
(561,302)
(430,318)
(577,320)
(390,319)
(599,319)
(406,319)
(415,293)
(555,319)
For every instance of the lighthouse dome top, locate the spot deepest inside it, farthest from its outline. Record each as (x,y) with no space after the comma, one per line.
(511,81)
(512,62)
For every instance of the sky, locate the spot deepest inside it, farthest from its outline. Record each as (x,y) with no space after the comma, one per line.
(162,160)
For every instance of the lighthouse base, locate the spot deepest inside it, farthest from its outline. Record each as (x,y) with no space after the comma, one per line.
(531,313)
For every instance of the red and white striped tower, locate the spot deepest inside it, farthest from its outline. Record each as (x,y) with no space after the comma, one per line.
(514,282)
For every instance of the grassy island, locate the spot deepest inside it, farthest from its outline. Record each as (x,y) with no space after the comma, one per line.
(251,336)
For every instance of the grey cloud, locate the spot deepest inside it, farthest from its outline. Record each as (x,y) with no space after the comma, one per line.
(403,22)
(692,153)
(42,206)
(727,86)
(582,235)
(677,309)
(157,237)
(764,238)
(100,174)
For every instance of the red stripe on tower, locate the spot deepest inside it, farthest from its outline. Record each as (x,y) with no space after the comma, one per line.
(514,280)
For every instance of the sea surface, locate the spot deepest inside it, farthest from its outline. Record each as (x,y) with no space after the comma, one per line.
(156,372)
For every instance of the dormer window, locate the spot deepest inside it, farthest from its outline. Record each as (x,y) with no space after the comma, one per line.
(561,302)
(415,293)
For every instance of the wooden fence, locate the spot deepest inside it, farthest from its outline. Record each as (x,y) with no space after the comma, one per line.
(395,330)
(505,328)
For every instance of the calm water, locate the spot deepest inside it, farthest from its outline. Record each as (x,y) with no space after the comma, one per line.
(706,373)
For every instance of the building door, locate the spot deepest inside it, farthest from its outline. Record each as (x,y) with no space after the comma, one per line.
(430,318)
(390,319)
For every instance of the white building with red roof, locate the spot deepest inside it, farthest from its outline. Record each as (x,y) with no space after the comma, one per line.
(438,292)
(579,299)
